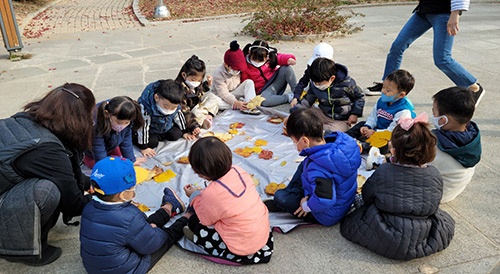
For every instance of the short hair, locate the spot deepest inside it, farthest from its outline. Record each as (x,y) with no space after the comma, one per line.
(306,122)
(103,197)
(415,146)
(210,157)
(170,90)
(403,80)
(67,112)
(322,69)
(456,102)
(124,108)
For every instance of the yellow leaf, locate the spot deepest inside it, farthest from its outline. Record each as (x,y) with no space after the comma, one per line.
(380,138)
(283,163)
(165,176)
(260,142)
(256,150)
(141,174)
(233,131)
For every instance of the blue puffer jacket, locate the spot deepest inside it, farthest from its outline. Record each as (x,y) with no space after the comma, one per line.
(116,238)
(329,177)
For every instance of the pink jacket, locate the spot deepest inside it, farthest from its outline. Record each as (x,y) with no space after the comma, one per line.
(254,73)
(242,223)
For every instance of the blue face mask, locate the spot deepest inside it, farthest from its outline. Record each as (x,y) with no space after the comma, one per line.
(388,99)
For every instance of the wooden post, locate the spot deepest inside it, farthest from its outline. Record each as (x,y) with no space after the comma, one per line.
(8,24)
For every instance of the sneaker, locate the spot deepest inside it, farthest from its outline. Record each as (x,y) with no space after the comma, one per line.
(188,233)
(169,196)
(254,111)
(375,90)
(290,97)
(478,95)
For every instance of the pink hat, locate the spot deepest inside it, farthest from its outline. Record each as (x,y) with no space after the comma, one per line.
(234,57)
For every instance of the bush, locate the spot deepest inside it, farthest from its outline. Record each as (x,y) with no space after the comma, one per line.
(278,18)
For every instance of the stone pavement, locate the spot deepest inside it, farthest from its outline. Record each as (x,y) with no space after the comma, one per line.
(123,61)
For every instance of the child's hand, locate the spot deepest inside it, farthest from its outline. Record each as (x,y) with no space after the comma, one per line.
(366,132)
(196,131)
(209,80)
(189,189)
(300,211)
(189,136)
(148,152)
(139,161)
(240,105)
(291,62)
(153,225)
(293,102)
(353,119)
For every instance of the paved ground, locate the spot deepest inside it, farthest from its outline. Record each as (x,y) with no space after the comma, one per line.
(124,60)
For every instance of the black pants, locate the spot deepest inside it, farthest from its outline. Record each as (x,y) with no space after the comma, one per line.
(173,134)
(175,234)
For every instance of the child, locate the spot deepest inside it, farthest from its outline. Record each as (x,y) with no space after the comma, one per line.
(115,120)
(323,50)
(227,83)
(325,182)
(199,105)
(392,105)
(400,218)
(163,120)
(459,139)
(340,98)
(115,236)
(229,210)
(270,71)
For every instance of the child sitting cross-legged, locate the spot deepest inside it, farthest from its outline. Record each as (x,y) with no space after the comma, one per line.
(230,222)
(115,236)
(400,218)
(324,185)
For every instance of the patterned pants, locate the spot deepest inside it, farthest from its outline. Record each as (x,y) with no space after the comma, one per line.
(208,239)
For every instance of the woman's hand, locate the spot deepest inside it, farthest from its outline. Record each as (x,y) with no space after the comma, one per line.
(148,152)
(452,25)
(291,62)
(189,189)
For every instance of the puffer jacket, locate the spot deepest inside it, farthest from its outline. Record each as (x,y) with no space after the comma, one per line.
(116,238)
(400,218)
(329,177)
(262,75)
(343,98)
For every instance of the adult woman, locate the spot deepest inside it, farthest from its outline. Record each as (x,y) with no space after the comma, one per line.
(40,176)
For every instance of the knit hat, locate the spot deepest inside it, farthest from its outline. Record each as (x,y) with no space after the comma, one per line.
(113,175)
(234,57)
(321,50)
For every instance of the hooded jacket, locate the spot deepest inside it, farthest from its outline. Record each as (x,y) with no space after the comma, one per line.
(329,177)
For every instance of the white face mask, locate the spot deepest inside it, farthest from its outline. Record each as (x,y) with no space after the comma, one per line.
(257,64)
(191,84)
(435,121)
(322,87)
(233,72)
(165,111)
(117,127)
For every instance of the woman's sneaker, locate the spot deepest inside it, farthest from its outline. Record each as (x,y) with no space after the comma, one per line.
(478,95)
(169,196)
(375,90)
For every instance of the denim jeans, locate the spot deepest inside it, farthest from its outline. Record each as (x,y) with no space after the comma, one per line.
(416,26)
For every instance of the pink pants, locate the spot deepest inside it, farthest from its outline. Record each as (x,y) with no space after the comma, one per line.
(90,162)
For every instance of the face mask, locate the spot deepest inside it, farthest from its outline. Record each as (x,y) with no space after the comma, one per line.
(164,111)
(233,72)
(322,87)
(388,99)
(191,84)
(117,127)
(257,64)
(435,121)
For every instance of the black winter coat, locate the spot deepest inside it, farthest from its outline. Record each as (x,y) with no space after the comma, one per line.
(400,218)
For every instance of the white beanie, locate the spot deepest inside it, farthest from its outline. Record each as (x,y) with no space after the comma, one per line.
(324,50)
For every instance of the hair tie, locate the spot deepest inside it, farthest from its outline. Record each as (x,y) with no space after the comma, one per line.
(406,122)
(71,92)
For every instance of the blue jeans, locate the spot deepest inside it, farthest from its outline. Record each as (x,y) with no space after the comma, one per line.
(416,26)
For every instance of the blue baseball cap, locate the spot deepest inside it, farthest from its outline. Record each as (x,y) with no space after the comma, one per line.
(113,175)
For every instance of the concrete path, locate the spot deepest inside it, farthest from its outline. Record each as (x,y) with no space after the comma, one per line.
(123,61)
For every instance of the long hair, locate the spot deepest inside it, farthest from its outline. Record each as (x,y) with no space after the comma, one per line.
(67,112)
(259,50)
(124,108)
(194,66)
(415,146)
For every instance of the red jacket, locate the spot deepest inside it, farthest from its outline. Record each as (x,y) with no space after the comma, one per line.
(260,79)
